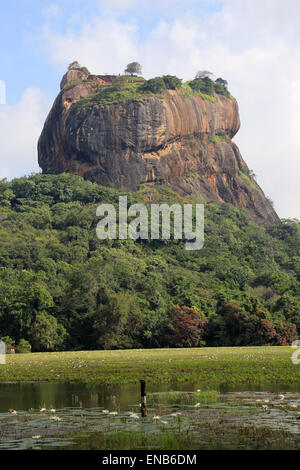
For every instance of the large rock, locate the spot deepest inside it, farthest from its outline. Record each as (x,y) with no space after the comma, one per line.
(169,141)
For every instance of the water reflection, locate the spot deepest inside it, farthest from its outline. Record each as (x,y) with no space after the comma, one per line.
(54,410)
(62,395)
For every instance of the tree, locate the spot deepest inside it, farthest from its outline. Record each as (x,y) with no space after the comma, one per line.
(220,86)
(23,346)
(117,322)
(172,82)
(134,68)
(286,333)
(203,74)
(74,65)
(222,82)
(204,85)
(47,334)
(156,85)
(188,328)
(289,307)
(52,263)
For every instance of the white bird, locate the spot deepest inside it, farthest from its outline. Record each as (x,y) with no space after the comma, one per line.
(55,418)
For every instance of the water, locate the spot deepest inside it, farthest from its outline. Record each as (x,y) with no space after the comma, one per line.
(63,395)
(43,415)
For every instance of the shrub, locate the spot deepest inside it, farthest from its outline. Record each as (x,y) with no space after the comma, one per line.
(244,174)
(86,70)
(23,346)
(219,136)
(221,90)
(172,82)
(221,81)
(155,85)
(204,85)
(220,87)
(9,344)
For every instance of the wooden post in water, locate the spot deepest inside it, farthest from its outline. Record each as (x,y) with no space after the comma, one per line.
(143,399)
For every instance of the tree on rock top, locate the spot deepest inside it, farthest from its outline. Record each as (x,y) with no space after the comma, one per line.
(223,82)
(74,65)
(134,68)
(203,74)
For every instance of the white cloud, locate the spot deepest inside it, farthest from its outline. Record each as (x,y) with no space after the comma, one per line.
(52,10)
(254,44)
(102,45)
(20,127)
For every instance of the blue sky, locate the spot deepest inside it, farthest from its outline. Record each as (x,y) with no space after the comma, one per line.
(254,44)
(23,24)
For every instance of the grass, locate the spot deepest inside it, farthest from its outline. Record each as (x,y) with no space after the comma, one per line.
(208,367)
(221,137)
(214,434)
(192,175)
(183,398)
(109,96)
(247,179)
(186,92)
(126,89)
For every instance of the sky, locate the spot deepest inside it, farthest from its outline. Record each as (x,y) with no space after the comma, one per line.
(253,44)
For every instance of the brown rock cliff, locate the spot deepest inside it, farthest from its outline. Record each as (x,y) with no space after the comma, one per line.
(183,142)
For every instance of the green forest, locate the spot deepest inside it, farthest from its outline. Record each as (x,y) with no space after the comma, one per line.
(61,288)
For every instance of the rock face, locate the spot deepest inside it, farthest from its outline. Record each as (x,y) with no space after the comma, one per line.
(182,142)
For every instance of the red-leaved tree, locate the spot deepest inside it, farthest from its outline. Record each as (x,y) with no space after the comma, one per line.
(188,329)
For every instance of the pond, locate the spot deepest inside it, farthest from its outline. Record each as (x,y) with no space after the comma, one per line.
(76,416)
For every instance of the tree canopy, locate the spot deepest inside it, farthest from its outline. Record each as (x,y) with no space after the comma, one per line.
(134,68)
(63,288)
(74,65)
(203,74)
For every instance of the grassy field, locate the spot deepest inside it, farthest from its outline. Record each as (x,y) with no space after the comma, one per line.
(210,367)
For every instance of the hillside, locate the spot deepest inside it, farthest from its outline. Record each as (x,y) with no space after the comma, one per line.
(127,132)
(63,288)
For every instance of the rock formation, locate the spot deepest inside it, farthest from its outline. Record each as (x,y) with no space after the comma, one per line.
(179,140)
